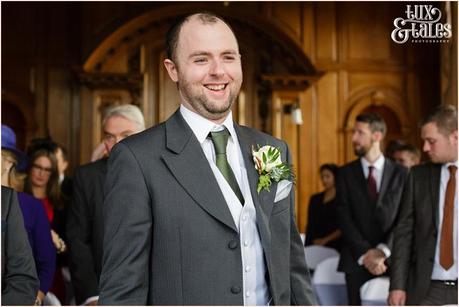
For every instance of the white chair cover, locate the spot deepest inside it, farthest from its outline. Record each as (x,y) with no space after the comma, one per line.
(329,285)
(315,254)
(51,300)
(375,292)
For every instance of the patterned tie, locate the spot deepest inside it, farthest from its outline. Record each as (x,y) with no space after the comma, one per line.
(220,140)
(372,189)
(446,240)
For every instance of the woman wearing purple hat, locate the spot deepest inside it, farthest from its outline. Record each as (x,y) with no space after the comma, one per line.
(35,220)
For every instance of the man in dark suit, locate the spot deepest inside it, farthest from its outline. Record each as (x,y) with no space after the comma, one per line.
(85,219)
(19,275)
(185,224)
(425,239)
(368,192)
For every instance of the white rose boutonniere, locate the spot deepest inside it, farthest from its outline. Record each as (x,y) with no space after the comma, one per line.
(269,165)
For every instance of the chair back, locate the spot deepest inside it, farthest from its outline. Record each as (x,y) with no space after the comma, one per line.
(314,254)
(375,292)
(329,285)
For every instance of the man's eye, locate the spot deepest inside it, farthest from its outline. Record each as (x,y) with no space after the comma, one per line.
(229,58)
(200,60)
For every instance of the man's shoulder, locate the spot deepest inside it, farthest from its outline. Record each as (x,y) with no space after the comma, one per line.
(92,167)
(398,169)
(424,169)
(154,135)
(350,165)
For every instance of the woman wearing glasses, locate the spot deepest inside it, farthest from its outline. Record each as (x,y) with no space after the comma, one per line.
(42,182)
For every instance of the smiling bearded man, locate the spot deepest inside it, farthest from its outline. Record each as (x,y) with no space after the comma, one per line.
(185,224)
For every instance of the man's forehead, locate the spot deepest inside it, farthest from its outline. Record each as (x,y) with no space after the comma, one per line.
(193,26)
(361,125)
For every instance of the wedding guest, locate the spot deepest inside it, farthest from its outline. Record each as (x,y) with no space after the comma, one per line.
(322,228)
(35,220)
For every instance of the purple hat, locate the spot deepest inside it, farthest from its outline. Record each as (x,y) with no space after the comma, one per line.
(9,143)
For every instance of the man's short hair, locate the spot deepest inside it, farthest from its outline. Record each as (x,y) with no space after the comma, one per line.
(128,111)
(375,122)
(411,149)
(172,36)
(445,117)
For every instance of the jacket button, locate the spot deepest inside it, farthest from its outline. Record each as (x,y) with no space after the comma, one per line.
(235,289)
(233,244)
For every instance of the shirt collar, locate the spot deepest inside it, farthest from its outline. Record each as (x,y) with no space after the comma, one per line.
(446,165)
(378,164)
(201,126)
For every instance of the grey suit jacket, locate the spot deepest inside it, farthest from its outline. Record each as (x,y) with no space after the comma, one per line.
(170,238)
(415,234)
(365,224)
(85,229)
(19,275)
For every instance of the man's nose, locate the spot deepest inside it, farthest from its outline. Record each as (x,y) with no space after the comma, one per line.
(426,147)
(217,68)
(354,137)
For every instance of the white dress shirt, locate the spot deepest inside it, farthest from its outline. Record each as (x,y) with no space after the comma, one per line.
(255,288)
(377,173)
(439,273)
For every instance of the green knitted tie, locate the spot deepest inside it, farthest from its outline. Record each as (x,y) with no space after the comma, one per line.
(220,140)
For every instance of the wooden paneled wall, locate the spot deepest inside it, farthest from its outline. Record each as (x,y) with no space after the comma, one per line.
(62,63)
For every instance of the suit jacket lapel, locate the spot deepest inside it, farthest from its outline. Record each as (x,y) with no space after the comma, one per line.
(264,200)
(434,178)
(386,176)
(189,165)
(361,180)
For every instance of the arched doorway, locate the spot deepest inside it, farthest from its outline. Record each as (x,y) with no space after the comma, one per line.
(384,101)
(128,63)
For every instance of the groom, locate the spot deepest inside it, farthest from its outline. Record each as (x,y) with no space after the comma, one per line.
(184,223)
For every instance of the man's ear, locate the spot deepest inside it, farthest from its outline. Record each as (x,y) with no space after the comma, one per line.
(377,136)
(453,137)
(171,69)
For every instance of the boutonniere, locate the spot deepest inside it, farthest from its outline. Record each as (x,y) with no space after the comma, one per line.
(270,167)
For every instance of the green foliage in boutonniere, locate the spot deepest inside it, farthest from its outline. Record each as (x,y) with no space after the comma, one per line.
(270,167)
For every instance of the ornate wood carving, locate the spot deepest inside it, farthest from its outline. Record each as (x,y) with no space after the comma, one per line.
(133,82)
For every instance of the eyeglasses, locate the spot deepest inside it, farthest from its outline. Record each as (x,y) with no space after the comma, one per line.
(41,168)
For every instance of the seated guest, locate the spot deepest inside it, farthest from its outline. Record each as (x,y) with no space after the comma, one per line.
(19,277)
(35,221)
(407,155)
(322,227)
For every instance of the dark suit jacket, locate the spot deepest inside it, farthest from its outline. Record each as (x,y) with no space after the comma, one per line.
(85,229)
(416,231)
(19,276)
(170,238)
(365,224)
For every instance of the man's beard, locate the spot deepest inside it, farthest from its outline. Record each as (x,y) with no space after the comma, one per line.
(362,151)
(203,105)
